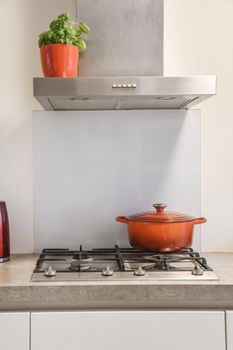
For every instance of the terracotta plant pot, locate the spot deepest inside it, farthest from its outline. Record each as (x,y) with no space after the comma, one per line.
(59,60)
(160,231)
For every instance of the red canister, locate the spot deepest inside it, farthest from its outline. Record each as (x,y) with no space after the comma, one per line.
(4,233)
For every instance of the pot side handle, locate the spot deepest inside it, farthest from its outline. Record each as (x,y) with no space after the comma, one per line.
(199,221)
(122,219)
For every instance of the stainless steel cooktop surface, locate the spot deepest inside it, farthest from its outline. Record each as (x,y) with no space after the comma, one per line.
(120,264)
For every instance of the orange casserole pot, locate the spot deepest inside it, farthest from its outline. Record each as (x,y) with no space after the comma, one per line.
(160,231)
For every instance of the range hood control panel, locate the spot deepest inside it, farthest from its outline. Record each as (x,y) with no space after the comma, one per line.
(128,85)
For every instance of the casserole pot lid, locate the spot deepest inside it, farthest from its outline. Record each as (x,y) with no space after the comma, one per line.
(160,215)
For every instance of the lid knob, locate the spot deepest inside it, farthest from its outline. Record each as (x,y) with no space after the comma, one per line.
(159,207)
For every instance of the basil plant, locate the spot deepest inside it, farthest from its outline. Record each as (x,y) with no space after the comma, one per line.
(64,31)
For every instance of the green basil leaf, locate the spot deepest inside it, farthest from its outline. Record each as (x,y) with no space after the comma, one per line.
(78,32)
(81,44)
(64,17)
(84,28)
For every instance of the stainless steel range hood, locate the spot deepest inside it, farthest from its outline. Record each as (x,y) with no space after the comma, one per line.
(95,93)
(123,66)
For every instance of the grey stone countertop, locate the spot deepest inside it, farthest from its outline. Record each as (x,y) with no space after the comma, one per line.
(18,293)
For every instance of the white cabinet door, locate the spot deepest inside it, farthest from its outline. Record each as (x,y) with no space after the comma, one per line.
(229,329)
(14,331)
(128,330)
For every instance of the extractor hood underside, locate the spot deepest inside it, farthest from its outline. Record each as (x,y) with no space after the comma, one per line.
(116,93)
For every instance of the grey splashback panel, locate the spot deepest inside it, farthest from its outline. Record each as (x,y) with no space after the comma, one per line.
(126,39)
(93,166)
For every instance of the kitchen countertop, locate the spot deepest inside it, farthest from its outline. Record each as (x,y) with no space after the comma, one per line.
(18,293)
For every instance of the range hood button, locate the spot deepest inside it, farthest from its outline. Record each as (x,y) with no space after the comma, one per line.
(124,85)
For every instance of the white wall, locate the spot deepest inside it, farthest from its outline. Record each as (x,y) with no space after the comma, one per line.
(20,23)
(16,70)
(198,40)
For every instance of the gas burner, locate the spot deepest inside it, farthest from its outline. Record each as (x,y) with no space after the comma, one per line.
(121,264)
(162,265)
(131,265)
(76,266)
(152,257)
(83,257)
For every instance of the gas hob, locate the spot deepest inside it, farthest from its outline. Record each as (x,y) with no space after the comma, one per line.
(120,264)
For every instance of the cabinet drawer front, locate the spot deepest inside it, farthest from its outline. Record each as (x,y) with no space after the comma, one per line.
(104,330)
(14,330)
(229,329)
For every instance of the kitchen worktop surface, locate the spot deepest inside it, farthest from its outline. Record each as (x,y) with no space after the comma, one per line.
(18,293)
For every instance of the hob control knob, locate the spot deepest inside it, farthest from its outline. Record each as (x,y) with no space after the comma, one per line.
(197,271)
(140,271)
(107,271)
(50,272)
